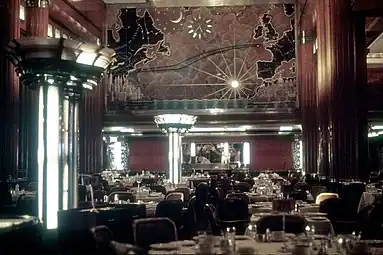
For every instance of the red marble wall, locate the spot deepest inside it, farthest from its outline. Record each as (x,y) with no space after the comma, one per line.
(375,76)
(267,152)
(273,153)
(148,153)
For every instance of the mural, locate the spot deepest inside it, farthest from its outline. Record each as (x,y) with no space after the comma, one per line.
(244,53)
(207,153)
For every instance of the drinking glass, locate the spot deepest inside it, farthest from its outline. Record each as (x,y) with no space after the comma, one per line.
(138,180)
(229,236)
(251,231)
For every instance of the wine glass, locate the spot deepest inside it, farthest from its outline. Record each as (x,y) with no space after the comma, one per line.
(139,181)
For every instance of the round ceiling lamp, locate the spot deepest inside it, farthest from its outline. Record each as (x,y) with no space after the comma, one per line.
(234,83)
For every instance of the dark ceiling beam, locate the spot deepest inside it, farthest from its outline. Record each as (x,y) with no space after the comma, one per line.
(376,24)
(371,37)
(76,17)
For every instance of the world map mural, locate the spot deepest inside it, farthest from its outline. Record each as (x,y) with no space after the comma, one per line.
(244,53)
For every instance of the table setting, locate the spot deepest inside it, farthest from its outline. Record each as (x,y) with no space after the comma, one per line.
(271,243)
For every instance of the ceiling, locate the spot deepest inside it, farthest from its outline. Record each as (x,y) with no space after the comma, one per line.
(374,40)
(181,3)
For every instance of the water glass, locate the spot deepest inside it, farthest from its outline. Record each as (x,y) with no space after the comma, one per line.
(229,236)
(251,231)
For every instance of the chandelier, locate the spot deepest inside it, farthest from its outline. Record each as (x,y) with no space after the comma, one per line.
(174,123)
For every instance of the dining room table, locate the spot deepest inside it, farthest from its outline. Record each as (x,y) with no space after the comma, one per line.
(287,244)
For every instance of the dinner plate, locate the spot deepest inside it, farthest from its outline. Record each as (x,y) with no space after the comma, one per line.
(184,243)
(164,246)
(315,214)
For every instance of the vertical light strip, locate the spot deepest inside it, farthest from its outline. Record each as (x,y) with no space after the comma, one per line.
(300,154)
(171,168)
(226,153)
(192,150)
(176,154)
(53,129)
(180,160)
(65,155)
(246,153)
(76,159)
(40,154)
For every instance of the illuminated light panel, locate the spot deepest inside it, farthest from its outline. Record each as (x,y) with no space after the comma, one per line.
(53,129)
(220,129)
(286,128)
(246,153)
(40,154)
(176,156)
(170,156)
(192,150)
(86,58)
(66,167)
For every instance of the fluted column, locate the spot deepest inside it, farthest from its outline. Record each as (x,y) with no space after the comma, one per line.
(9,95)
(37,20)
(37,17)
(342,128)
(175,151)
(91,122)
(307,86)
(322,92)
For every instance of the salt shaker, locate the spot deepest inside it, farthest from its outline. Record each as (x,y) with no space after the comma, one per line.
(267,235)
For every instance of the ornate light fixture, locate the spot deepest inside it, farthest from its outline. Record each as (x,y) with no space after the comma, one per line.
(60,69)
(179,123)
(175,125)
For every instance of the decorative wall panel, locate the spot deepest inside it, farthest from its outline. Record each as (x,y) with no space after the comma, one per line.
(196,54)
(271,153)
(148,154)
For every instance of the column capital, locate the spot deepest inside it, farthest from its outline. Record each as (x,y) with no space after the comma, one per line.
(37,3)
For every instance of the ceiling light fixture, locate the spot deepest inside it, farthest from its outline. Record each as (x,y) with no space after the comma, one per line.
(286,128)
(234,83)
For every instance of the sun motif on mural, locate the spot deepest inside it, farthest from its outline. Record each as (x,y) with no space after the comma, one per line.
(199,27)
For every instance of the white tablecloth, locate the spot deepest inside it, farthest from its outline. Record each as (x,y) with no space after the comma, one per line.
(321,224)
(266,207)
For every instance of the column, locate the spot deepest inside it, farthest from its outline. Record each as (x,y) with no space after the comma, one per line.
(92,122)
(175,150)
(9,96)
(341,81)
(37,19)
(307,86)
